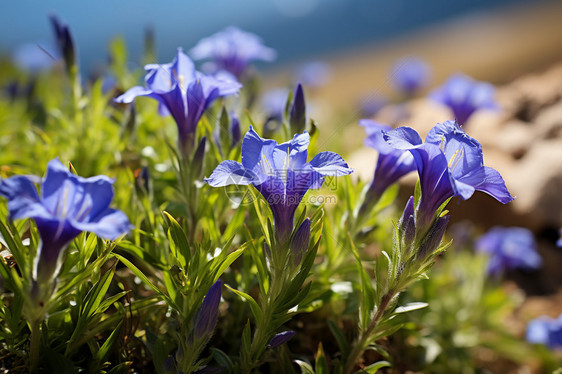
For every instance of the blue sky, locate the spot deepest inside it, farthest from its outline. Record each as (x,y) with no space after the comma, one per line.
(296,28)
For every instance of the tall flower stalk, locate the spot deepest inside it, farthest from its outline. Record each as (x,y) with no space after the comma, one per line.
(68,205)
(281,173)
(449,163)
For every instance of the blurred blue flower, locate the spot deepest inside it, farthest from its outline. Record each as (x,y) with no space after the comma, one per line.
(411,74)
(464,96)
(232,50)
(33,57)
(392,163)
(274,102)
(559,241)
(545,330)
(280,172)
(182,92)
(206,316)
(314,74)
(449,163)
(370,104)
(509,248)
(68,205)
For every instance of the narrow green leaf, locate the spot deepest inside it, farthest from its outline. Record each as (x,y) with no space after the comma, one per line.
(228,261)
(223,360)
(145,280)
(181,250)
(305,367)
(374,368)
(321,364)
(256,311)
(410,307)
(103,353)
(340,338)
(97,293)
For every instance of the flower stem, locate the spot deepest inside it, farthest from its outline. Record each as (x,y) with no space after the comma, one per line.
(264,327)
(364,337)
(34,345)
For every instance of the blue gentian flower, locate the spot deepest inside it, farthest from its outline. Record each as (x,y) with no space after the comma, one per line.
(464,96)
(392,163)
(68,205)
(182,92)
(232,50)
(509,248)
(280,172)
(206,316)
(33,58)
(450,163)
(545,330)
(370,104)
(409,75)
(274,102)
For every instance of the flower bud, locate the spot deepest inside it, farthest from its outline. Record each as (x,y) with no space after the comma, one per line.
(300,241)
(281,338)
(235,130)
(433,237)
(206,317)
(197,162)
(65,42)
(297,113)
(406,224)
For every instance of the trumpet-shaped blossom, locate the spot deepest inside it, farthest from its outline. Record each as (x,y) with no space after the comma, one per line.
(232,50)
(392,163)
(182,92)
(464,96)
(68,205)
(509,248)
(450,163)
(409,75)
(280,172)
(545,330)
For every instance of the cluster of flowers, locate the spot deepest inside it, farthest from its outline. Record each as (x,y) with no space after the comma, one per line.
(449,163)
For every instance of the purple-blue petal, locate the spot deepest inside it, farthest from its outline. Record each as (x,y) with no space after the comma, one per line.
(131,94)
(330,164)
(230,172)
(494,185)
(257,153)
(108,224)
(23,200)
(404,138)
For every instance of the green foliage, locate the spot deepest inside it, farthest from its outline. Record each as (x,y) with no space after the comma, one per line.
(130,305)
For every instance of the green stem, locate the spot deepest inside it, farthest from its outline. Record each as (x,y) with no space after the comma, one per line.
(364,337)
(263,331)
(34,345)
